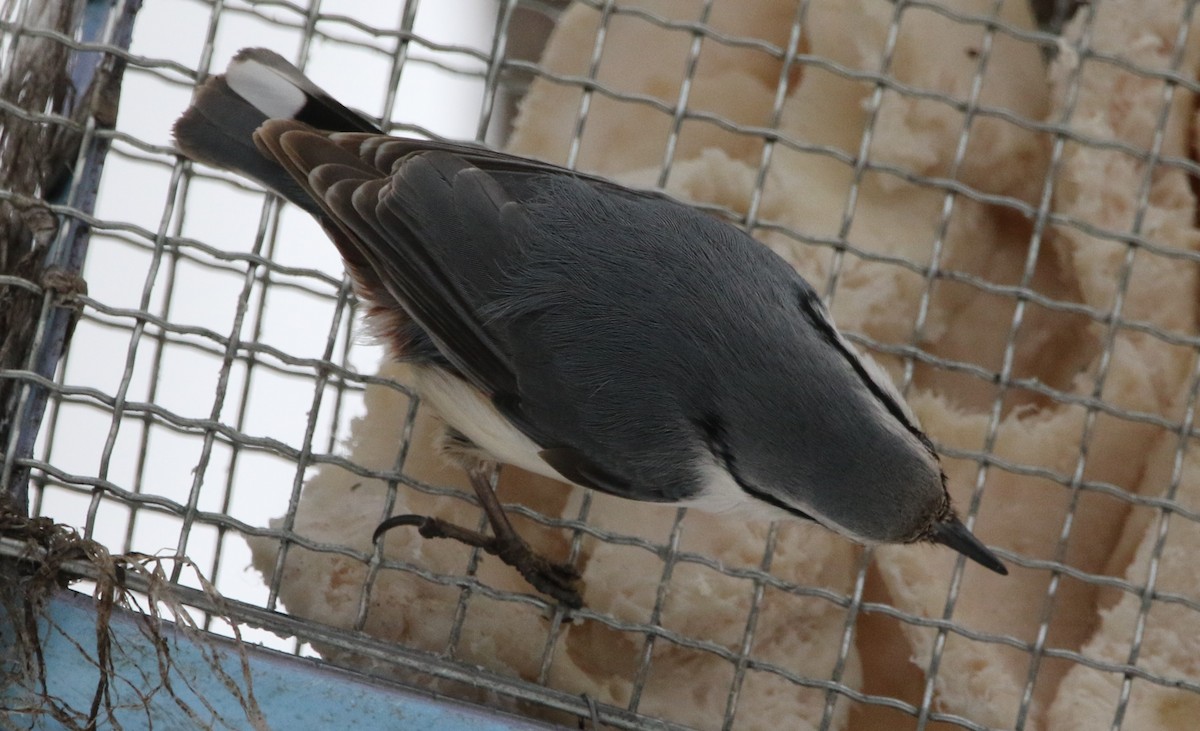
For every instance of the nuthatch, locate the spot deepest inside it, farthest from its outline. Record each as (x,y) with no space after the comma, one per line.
(613,338)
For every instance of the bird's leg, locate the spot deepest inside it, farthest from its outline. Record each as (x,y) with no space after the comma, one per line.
(551,578)
(556,580)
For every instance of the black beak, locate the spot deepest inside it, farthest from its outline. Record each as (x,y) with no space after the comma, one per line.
(953,534)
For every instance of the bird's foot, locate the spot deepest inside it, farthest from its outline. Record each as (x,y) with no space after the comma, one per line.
(552,578)
(556,580)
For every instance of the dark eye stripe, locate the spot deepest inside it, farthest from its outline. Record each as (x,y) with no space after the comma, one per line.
(811,307)
(713,428)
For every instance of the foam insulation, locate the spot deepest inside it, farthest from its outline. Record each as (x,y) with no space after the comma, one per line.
(895,216)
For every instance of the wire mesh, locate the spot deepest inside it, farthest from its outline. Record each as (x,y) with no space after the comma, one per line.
(215,374)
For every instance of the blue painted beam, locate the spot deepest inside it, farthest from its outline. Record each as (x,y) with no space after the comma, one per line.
(288,692)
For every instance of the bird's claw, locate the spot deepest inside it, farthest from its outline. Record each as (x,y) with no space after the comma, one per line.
(556,580)
(553,579)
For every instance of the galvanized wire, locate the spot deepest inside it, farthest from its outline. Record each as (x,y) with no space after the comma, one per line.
(151,331)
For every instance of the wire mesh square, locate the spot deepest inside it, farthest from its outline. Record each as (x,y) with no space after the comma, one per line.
(996,199)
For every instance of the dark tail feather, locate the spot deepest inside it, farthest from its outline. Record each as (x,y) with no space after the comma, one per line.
(218,129)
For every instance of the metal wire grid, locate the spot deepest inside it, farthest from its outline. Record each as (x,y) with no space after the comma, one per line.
(330,375)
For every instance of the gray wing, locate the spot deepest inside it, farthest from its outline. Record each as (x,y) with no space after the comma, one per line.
(432,233)
(442,236)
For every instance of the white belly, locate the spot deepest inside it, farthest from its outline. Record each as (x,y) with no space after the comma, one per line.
(470,412)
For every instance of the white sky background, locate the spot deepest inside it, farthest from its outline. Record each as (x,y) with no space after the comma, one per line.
(198,292)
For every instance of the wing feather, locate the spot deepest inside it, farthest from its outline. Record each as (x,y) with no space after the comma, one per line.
(434,227)
(403,226)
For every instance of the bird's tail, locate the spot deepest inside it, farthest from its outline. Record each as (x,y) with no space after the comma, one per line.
(218,128)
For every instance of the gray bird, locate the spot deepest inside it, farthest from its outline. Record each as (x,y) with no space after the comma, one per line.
(613,338)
